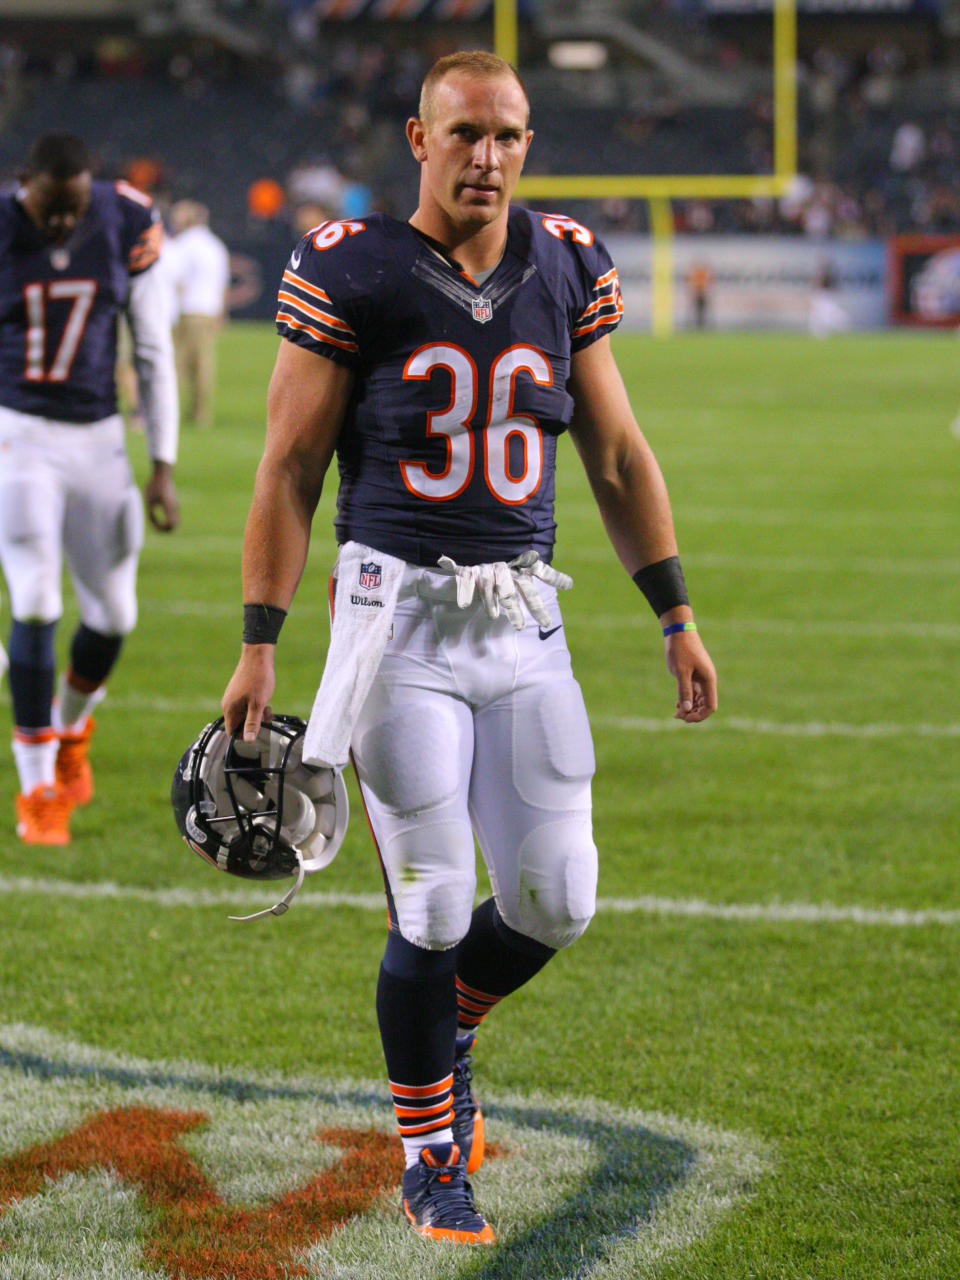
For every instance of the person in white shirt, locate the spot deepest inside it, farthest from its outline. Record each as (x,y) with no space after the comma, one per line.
(198,264)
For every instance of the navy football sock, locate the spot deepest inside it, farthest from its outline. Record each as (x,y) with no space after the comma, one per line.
(417,1013)
(92,655)
(493,960)
(31,674)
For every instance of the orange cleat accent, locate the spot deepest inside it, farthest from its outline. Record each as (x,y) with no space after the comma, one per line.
(485,1236)
(74,774)
(43,816)
(468,1132)
(478,1146)
(438,1200)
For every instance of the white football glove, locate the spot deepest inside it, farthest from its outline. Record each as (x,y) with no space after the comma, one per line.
(507,586)
(524,568)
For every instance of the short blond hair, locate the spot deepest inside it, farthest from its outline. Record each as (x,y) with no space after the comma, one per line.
(472,62)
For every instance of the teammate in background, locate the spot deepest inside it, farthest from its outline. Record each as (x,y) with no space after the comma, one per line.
(441,358)
(199,267)
(700,287)
(73,253)
(827,314)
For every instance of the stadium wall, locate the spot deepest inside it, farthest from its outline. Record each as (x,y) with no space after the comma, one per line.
(759,282)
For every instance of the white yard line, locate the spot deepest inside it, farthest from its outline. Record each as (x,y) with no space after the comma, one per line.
(813,514)
(782,728)
(799,627)
(203,706)
(776,912)
(894,565)
(793,627)
(219,608)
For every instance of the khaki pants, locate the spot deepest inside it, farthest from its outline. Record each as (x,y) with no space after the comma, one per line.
(195,347)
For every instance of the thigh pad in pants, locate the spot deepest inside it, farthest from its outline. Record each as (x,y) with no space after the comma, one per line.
(412,750)
(31,515)
(531,808)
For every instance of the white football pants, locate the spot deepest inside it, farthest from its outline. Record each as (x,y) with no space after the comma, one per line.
(67,489)
(473,727)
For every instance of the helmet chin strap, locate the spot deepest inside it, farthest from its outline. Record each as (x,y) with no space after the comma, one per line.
(304,865)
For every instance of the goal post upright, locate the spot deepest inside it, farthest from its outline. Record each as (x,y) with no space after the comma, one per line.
(659,190)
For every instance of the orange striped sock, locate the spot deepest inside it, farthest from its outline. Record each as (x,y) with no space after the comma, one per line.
(424,1114)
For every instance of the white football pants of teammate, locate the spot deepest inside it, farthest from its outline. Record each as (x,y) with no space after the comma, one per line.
(68,490)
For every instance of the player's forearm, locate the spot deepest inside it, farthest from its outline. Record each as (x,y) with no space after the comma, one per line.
(634,505)
(276,538)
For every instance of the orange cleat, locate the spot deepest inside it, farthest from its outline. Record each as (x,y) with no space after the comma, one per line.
(468,1127)
(74,774)
(438,1200)
(43,816)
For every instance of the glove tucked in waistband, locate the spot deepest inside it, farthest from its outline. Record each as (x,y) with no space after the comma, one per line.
(507,585)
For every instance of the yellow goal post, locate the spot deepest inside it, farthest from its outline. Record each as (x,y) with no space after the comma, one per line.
(660,189)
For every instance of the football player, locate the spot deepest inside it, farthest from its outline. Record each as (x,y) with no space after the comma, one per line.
(440,359)
(73,253)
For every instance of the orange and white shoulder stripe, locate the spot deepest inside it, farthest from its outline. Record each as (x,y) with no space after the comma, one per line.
(133,193)
(306,308)
(606,308)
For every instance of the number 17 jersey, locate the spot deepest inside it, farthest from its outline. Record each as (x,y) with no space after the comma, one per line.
(449,442)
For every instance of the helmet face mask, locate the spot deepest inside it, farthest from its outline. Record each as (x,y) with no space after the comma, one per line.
(254,809)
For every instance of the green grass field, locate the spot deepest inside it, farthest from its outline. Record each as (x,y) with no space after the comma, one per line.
(746,1068)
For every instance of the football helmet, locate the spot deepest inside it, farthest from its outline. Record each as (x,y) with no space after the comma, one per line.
(255,809)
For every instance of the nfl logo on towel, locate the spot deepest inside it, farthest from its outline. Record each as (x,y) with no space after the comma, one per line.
(370,575)
(482,310)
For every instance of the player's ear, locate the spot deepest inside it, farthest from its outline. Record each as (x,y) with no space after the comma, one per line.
(416,136)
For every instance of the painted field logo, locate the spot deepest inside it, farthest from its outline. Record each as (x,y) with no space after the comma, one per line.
(191,1232)
(137,1170)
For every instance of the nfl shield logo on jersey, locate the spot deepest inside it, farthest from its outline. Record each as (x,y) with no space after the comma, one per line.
(370,574)
(482,310)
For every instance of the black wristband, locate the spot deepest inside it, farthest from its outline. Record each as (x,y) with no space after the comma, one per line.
(663,585)
(262,623)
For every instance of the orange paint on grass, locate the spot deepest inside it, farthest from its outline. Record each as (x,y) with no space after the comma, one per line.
(191,1231)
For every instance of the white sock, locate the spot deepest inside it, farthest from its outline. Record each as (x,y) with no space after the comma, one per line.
(72,706)
(35,763)
(413,1146)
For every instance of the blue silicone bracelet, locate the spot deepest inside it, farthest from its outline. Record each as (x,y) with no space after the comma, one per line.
(674,627)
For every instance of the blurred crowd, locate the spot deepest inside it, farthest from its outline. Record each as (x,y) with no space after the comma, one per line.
(318,131)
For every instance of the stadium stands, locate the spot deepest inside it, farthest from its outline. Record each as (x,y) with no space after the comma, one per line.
(879,131)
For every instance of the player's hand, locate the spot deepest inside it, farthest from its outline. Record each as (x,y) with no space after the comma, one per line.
(246,700)
(689,662)
(160,496)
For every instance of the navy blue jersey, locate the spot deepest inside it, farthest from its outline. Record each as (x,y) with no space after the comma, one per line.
(59,303)
(449,443)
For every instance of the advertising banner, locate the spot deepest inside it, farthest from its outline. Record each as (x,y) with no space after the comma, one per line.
(923,276)
(758,282)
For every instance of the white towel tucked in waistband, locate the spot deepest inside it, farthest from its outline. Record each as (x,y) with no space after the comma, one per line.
(367,586)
